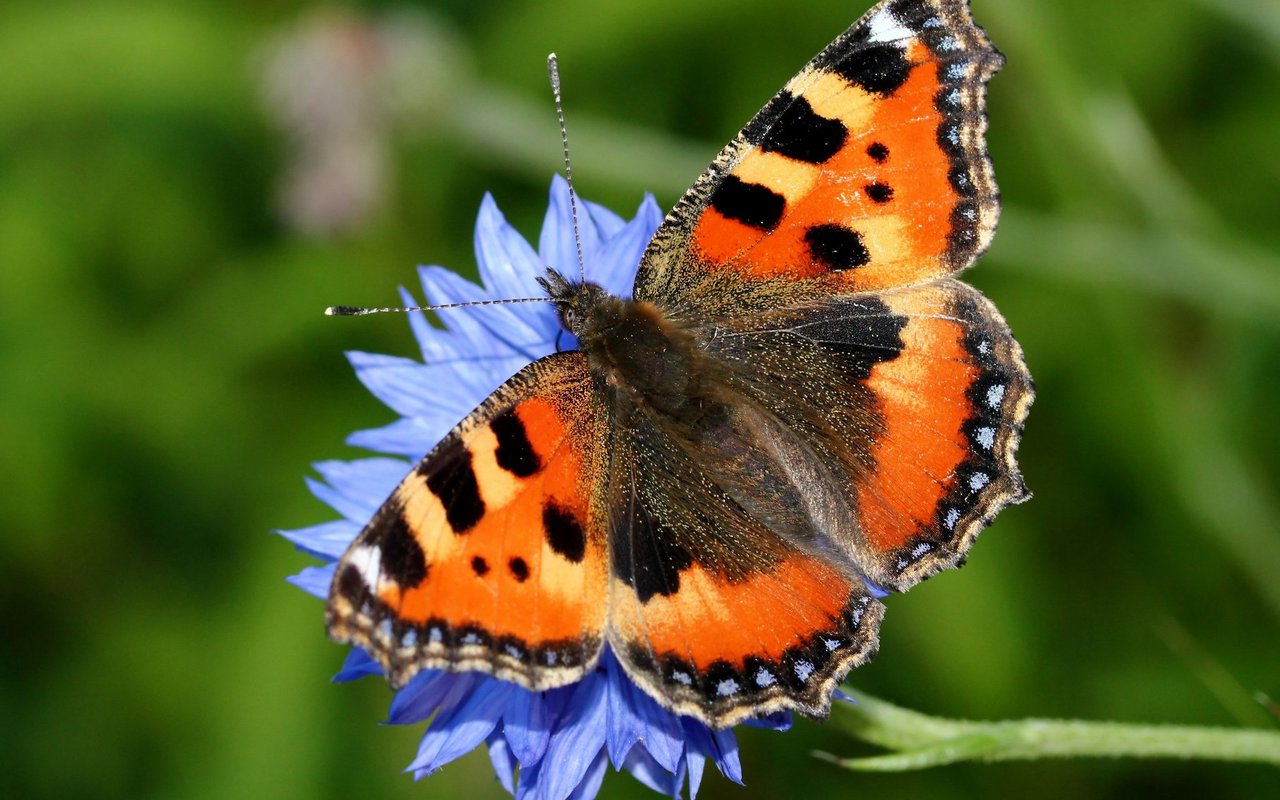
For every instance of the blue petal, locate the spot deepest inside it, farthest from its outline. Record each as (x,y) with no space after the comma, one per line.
(328,540)
(695,763)
(367,481)
(466,337)
(411,438)
(721,746)
(646,769)
(508,266)
(503,329)
(526,724)
(576,742)
(355,512)
(504,765)
(624,726)
(607,223)
(314,580)
(412,389)
(589,787)
(426,692)
(357,665)
(556,243)
(616,269)
(779,721)
(432,341)
(661,731)
(876,591)
(455,733)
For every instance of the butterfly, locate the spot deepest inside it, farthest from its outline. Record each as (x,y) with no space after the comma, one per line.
(798,410)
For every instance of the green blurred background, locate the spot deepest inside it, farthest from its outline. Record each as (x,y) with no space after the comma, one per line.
(184,186)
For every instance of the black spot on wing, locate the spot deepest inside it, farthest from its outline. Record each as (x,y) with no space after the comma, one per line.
(802,134)
(515,453)
(519,569)
(878,151)
(646,555)
(911,13)
(351,584)
(877,68)
(860,333)
(564,532)
(879,192)
(836,247)
(453,479)
(749,203)
(479,566)
(402,558)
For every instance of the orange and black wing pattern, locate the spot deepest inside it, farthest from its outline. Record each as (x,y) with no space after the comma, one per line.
(913,399)
(488,556)
(951,405)
(868,170)
(712,613)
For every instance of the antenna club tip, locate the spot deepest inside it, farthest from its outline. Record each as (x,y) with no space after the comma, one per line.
(339,311)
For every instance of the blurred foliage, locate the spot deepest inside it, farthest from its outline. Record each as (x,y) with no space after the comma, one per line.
(168,376)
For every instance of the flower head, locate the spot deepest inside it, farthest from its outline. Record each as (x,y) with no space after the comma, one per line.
(560,740)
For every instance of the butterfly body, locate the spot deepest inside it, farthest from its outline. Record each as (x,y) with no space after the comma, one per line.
(796,410)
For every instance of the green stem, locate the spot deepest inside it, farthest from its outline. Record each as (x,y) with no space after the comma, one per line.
(924,741)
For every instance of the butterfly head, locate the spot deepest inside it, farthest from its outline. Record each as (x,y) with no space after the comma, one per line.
(575,302)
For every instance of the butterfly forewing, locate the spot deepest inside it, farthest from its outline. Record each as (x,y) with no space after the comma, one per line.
(488,556)
(868,170)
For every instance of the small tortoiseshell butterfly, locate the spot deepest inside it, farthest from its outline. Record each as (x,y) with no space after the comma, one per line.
(798,404)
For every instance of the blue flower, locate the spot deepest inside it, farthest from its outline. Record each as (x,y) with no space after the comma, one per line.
(560,740)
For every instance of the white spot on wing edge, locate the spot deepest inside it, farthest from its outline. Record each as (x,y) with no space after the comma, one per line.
(995,395)
(953,516)
(367,559)
(804,669)
(383,631)
(885,27)
(986,437)
(727,687)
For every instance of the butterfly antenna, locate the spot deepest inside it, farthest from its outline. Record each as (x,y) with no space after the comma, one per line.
(353,311)
(553,69)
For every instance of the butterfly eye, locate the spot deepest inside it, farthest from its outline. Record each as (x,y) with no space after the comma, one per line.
(570,317)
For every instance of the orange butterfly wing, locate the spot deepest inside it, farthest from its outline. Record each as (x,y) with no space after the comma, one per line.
(488,556)
(868,170)
(711,612)
(952,405)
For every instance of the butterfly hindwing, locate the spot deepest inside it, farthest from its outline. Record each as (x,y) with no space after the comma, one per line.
(488,555)
(912,400)
(711,612)
(868,170)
